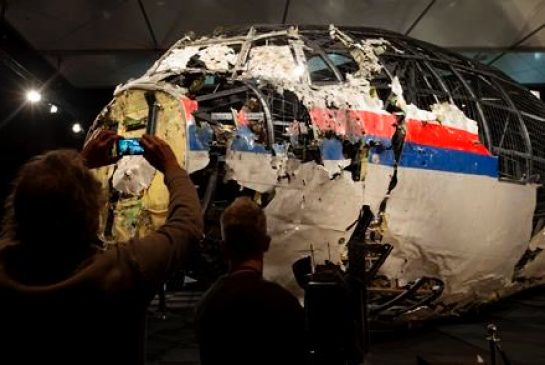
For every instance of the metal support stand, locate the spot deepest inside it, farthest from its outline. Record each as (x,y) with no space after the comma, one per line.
(357,282)
(358,297)
(162,310)
(342,339)
(494,345)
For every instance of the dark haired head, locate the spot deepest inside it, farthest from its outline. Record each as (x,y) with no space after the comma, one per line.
(244,230)
(54,204)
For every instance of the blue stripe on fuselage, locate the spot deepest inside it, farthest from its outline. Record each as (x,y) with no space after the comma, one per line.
(441,159)
(413,155)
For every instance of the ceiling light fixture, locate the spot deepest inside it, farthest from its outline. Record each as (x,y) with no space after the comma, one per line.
(76,128)
(33,96)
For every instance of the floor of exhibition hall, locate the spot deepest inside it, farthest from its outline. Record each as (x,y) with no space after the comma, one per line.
(520,321)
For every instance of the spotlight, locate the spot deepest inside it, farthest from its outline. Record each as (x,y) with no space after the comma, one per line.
(53,109)
(33,96)
(76,128)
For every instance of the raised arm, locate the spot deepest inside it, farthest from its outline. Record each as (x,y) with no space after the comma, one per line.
(162,252)
(155,257)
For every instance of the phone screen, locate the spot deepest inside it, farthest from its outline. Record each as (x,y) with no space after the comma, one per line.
(129,146)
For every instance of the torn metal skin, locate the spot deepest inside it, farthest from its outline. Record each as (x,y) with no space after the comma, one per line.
(297,119)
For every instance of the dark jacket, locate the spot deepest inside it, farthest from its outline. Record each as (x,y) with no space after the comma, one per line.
(244,319)
(96,314)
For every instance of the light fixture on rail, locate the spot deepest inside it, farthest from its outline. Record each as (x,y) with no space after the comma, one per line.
(76,128)
(53,109)
(33,96)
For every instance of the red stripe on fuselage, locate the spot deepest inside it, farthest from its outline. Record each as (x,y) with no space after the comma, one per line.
(190,106)
(356,123)
(436,135)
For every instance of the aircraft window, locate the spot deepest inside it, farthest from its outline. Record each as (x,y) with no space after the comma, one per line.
(271,41)
(344,63)
(210,80)
(236,46)
(319,70)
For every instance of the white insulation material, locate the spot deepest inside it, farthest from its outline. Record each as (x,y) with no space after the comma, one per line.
(396,88)
(177,60)
(356,94)
(218,57)
(273,63)
(411,111)
(133,175)
(368,57)
(447,114)
(215,57)
(474,257)
(451,116)
(415,113)
(310,210)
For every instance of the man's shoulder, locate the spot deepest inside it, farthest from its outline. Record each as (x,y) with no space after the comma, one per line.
(271,285)
(210,295)
(229,287)
(279,293)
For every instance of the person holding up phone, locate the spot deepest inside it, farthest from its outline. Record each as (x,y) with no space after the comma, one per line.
(63,299)
(129,146)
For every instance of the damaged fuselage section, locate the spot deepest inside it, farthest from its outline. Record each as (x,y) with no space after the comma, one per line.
(318,125)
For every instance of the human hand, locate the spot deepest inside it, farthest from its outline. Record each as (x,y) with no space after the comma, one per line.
(158,153)
(97,152)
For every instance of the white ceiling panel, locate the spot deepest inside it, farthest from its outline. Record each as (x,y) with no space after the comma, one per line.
(480,23)
(171,19)
(80,24)
(396,15)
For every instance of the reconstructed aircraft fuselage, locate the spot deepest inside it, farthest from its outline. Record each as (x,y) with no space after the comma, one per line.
(316,123)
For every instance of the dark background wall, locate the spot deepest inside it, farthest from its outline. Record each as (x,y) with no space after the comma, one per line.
(29,129)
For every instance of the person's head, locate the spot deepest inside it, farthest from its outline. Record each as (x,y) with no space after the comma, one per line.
(54,204)
(244,231)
